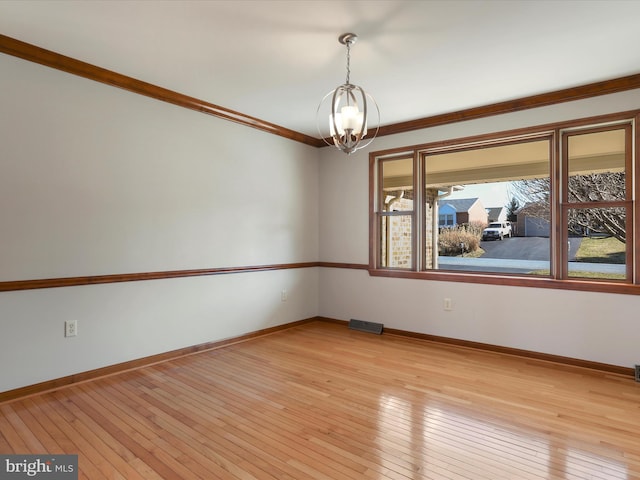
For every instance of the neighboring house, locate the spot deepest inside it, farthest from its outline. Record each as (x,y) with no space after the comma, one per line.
(452,212)
(533,220)
(497,214)
(447,215)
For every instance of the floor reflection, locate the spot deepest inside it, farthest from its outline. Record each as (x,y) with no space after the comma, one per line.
(427,439)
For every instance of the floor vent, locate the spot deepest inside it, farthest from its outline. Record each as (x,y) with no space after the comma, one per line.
(637,373)
(363,326)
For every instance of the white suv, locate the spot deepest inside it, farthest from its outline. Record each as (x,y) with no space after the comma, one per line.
(497,231)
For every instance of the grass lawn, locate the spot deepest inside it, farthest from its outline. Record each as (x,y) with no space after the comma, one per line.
(597,250)
(601,250)
(475,254)
(611,276)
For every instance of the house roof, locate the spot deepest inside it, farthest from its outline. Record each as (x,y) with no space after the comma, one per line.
(461,204)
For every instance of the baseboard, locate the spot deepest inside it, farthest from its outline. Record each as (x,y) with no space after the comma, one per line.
(57,383)
(557,359)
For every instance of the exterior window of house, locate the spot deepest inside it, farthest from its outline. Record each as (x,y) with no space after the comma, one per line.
(551,205)
(445,220)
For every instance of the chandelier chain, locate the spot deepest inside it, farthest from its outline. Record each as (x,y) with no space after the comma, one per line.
(348,62)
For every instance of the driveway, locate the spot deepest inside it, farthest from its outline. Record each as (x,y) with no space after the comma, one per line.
(521,255)
(525,248)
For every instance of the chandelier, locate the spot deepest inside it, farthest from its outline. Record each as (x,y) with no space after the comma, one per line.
(349,110)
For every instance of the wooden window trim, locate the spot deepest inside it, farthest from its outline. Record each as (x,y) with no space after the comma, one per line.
(556,280)
(376,197)
(566,205)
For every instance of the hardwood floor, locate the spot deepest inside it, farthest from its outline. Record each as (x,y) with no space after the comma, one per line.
(319,401)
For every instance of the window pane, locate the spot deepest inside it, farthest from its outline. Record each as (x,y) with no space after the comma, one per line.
(397,184)
(487,209)
(597,166)
(597,243)
(396,241)
(396,231)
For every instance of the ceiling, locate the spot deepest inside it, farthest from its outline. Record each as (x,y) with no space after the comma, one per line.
(275,60)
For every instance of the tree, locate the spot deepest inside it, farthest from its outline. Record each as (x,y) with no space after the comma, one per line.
(591,187)
(512,209)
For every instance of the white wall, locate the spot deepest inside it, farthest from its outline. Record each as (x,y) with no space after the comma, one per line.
(95,180)
(590,326)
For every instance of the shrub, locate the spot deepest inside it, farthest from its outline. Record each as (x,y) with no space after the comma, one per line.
(450,239)
(475,228)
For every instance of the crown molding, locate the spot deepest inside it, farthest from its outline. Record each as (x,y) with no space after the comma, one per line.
(32,53)
(616,85)
(48,58)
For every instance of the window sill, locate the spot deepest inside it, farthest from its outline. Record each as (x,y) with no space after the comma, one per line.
(584,285)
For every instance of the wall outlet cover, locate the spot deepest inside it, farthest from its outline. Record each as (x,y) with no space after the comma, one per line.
(70,328)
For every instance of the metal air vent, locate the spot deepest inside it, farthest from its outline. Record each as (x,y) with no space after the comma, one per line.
(363,326)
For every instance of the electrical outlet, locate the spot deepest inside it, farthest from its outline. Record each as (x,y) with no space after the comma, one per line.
(284,296)
(447,305)
(70,328)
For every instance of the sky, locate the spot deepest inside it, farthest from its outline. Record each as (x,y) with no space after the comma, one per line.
(491,194)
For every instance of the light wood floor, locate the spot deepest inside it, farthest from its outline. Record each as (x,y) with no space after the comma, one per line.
(320,401)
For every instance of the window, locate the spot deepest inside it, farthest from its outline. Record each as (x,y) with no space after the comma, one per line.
(446,220)
(596,202)
(474,181)
(396,219)
(552,205)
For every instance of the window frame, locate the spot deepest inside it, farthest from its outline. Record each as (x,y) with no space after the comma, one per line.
(381,213)
(558,278)
(627,203)
(492,142)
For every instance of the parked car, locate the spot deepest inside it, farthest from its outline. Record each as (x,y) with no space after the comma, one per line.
(497,231)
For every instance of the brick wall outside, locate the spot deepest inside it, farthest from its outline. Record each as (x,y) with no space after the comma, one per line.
(397,231)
